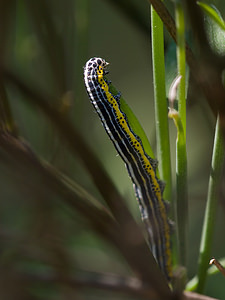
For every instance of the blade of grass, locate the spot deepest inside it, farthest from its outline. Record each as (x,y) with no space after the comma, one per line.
(181,159)
(181,156)
(161,120)
(210,211)
(213,13)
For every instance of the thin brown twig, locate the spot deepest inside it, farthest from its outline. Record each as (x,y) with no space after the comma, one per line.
(195,296)
(215,262)
(7,17)
(96,280)
(110,282)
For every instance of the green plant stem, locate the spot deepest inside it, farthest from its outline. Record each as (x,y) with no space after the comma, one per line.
(181,156)
(210,211)
(181,66)
(161,119)
(212,270)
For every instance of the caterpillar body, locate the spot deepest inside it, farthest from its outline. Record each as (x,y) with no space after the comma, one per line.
(141,167)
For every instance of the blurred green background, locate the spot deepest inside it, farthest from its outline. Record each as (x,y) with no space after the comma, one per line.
(47,43)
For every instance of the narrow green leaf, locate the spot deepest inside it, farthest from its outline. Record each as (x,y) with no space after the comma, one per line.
(215,28)
(211,208)
(161,111)
(213,13)
(181,155)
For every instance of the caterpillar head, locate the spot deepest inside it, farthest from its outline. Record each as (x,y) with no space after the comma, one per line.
(96,62)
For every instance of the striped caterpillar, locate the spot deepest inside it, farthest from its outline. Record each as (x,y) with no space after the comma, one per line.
(141,168)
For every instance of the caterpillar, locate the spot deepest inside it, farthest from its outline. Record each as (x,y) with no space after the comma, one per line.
(141,167)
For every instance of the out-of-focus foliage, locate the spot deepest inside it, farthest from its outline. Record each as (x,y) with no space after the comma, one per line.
(58,228)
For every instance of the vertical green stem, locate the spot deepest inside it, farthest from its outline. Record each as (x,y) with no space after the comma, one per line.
(181,157)
(181,66)
(162,132)
(210,212)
